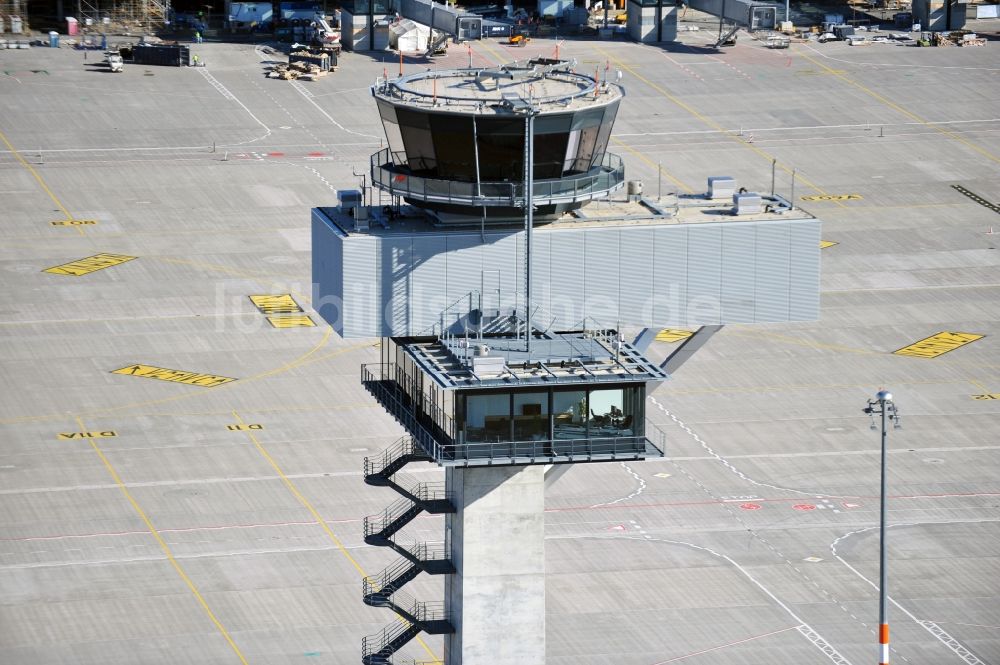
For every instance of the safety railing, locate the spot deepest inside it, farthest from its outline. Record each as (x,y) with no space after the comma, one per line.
(393,398)
(401,511)
(446,450)
(386,641)
(391,458)
(398,181)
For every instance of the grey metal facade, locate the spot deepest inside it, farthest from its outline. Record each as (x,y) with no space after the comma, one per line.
(751,14)
(397,284)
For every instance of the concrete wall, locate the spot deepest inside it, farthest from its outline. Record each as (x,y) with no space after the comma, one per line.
(652,24)
(666,275)
(354,32)
(496,599)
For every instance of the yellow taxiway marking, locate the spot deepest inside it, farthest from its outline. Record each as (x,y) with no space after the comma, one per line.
(89,264)
(163,545)
(896,107)
(300,321)
(86,435)
(312,510)
(711,123)
(243,427)
(74,222)
(987,396)
(38,178)
(232,271)
(276,304)
(305,358)
(655,165)
(833,197)
(823,244)
(174,375)
(939,344)
(672,335)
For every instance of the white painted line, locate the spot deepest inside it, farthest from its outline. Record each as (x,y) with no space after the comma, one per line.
(723,460)
(637,492)
(939,633)
(228,95)
(805,629)
(309,98)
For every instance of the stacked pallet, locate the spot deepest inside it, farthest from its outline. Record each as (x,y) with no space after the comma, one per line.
(298,70)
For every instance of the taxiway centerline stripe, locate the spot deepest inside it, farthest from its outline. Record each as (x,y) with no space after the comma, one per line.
(712,123)
(312,511)
(163,545)
(896,107)
(292,364)
(655,165)
(38,178)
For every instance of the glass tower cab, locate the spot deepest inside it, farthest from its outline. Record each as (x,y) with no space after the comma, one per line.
(481,401)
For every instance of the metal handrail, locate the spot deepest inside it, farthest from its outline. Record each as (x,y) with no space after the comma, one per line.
(400,448)
(528,450)
(601,180)
(423,492)
(372,644)
(550,449)
(392,400)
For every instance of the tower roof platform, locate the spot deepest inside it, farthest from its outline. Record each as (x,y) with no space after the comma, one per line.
(565,358)
(548,85)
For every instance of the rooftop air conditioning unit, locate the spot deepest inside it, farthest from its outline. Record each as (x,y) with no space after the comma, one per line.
(721,186)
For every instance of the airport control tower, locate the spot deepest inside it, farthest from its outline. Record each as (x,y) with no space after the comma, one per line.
(500,256)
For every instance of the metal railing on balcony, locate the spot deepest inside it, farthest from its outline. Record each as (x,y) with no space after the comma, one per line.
(568,449)
(396,180)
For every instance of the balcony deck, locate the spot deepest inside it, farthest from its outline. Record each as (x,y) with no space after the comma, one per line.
(507,453)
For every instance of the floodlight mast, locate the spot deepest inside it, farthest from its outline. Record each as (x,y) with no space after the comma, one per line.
(884,406)
(529,186)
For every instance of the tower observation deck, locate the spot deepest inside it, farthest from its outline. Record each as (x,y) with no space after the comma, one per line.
(456,139)
(500,299)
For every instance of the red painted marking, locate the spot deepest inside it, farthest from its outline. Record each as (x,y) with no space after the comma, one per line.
(317,154)
(617,527)
(275,154)
(804,506)
(723,646)
(848,504)
(750,506)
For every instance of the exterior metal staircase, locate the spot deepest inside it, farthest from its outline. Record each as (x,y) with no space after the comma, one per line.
(384,589)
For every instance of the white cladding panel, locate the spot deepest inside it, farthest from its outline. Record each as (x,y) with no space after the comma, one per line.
(362,306)
(671,275)
(465,268)
(428,279)
(327,270)
(704,273)
(772,272)
(803,292)
(541,276)
(670,269)
(638,262)
(737,288)
(566,252)
(602,275)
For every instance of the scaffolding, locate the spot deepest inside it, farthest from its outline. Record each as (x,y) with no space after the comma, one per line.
(14,16)
(123,16)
